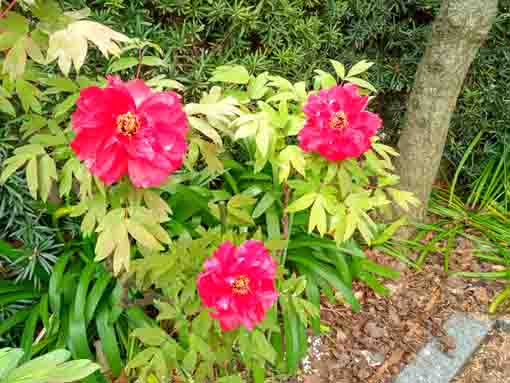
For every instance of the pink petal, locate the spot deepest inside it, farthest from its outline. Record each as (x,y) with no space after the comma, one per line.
(139,91)
(144,174)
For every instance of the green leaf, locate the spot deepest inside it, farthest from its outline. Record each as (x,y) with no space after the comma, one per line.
(361,83)
(190,360)
(291,155)
(27,337)
(122,64)
(8,323)
(235,74)
(157,205)
(330,275)
(313,296)
(151,336)
(72,371)
(318,217)
(383,271)
(38,367)
(142,235)
(70,46)
(66,105)
(47,175)
(389,231)
(27,94)
(257,87)
(9,359)
(373,283)
(339,68)
(34,51)
(15,60)
(325,79)
(265,203)
(15,23)
(292,337)
(32,179)
(262,346)
(6,107)
(206,129)
(359,68)
(264,138)
(109,343)
(11,167)
(56,280)
(230,379)
(403,198)
(352,219)
(61,84)
(302,203)
(96,294)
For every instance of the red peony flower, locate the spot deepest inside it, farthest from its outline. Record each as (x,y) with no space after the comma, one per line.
(337,125)
(238,282)
(128,128)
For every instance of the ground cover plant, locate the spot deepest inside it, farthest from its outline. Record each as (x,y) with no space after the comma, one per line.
(192,237)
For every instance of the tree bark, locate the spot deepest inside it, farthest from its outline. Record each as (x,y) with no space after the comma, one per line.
(457,33)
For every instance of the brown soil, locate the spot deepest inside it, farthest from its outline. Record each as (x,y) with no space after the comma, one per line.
(371,346)
(491,364)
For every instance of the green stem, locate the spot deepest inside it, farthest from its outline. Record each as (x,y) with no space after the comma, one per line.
(500,298)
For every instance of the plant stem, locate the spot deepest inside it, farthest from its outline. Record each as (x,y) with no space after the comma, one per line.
(285,218)
(139,67)
(286,222)
(6,10)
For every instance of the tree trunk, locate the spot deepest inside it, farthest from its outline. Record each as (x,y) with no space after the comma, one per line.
(457,34)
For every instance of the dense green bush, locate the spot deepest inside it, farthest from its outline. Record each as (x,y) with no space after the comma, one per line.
(292,37)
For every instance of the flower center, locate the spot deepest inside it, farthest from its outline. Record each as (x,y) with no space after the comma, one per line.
(338,121)
(128,124)
(241,285)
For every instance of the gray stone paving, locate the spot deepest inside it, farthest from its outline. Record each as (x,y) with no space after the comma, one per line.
(433,366)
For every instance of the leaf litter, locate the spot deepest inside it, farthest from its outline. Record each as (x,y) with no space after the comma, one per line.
(374,344)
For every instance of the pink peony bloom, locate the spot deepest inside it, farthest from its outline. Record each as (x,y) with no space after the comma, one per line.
(337,125)
(238,283)
(128,128)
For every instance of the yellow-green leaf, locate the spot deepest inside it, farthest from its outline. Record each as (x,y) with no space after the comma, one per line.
(6,106)
(157,205)
(47,175)
(339,68)
(69,45)
(206,129)
(302,203)
(361,83)
(32,181)
(105,245)
(15,60)
(359,68)
(11,167)
(351,222)
(318,218)
(122,253)
(236,74)
(142,235)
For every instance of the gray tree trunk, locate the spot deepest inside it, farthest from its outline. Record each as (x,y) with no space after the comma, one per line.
(457,33)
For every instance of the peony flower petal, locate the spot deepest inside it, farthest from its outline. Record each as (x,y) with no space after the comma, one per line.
(128,128)
(139,91)
(333,141)
(252,268)
(144,174)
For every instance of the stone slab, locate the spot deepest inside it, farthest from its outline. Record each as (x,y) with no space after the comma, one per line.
(433,366)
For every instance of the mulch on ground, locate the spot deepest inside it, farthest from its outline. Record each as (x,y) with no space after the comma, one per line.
(491,364)
(372,346)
